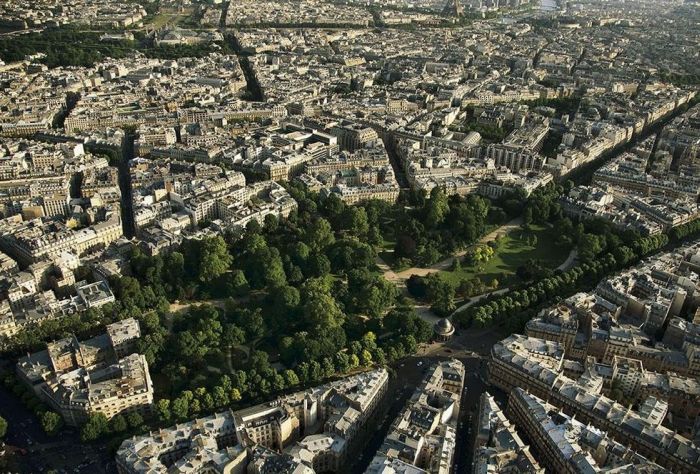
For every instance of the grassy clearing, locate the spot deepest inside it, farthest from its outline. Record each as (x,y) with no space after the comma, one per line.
(513,252)
(170,19)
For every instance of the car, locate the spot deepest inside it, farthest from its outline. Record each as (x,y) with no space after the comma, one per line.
(420,362)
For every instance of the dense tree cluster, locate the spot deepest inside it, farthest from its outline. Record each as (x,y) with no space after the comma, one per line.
(302,292)
(439,292)
(438,225)
(601,249)
(293,302)
(70,46)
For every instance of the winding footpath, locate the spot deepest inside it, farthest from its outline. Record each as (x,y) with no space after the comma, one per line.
(422,309)
(401,277)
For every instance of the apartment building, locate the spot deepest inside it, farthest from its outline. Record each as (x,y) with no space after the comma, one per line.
(565,445)
(93,376)
(423,436)
(536,365)
(38,239)
(316,430)
(497,445)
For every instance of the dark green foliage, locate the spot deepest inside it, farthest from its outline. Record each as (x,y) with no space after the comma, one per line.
(51,422)
(439,292)
(512,310)
(686,230)
(69,46)
(439,225)
(96,426)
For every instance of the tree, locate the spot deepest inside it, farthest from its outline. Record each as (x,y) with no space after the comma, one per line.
(589,246)
(290,378)
(416,286)
(236,283)
(355,221)
(232,335)
(195,407)
(117,424)
(286,298)
(274,272)
(212,258)
(3,427)
(180,408)
(321,311)
(134,419)
(259,361)
(527,217)
(405,246)
(51,422)
(318,265)
(163,410)
(319,234)
(465,288)
(315,372)
(190,346)
(429,254)
(235,395)
(436,208)
(333,207)
(271,223)
(441,294)
(369,341)
(96,426)
(278,382)
(342,362)
(174,270)
(366,358)
(221,397)
(253,323)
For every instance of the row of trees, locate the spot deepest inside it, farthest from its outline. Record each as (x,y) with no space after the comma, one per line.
(50,421)
(98,426)
(686,230)
(512,310)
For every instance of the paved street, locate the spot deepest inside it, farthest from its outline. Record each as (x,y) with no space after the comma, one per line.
(472,348)
(30,450)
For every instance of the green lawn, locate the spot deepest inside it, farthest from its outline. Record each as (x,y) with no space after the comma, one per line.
(161,19)
(513,252)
